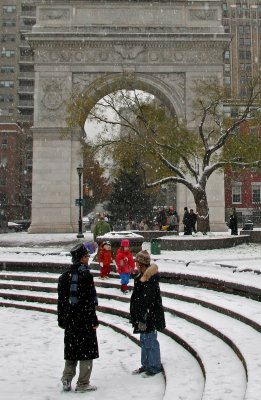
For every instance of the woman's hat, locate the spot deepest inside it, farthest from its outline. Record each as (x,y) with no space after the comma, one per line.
(125,243)
(143,257)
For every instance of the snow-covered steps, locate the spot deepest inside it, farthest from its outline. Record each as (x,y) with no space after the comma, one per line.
(184,375)
(180,368)
(216,356)
(201,320)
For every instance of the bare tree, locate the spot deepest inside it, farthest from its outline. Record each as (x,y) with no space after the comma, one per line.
(169,150)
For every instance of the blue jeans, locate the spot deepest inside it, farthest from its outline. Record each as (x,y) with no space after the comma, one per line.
(150,352)
(125,278)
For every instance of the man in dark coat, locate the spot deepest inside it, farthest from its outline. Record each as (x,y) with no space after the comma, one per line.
(77,301)
(233,222)
(147,314)
(187,222)
(193,220)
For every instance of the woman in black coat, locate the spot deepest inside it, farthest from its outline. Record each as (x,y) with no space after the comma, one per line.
(77,302)
(147,313)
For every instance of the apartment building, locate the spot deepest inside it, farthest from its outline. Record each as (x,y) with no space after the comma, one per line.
(16,94)
(242,19)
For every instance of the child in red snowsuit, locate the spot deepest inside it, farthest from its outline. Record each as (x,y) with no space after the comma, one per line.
(105,259)
(125,263)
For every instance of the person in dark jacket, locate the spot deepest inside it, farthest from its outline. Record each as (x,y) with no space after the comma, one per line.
(193,220)
(187,222)
(147,314)
(77,301)
(233,222)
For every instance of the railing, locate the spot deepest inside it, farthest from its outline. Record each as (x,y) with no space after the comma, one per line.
(26,89)
(29,75)
(26,58)
(26,103)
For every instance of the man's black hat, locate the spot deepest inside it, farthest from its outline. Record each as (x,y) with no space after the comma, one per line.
(78,251)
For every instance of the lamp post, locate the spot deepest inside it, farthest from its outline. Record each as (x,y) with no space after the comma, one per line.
(80,171)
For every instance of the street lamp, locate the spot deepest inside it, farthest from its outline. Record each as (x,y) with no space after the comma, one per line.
(80,171)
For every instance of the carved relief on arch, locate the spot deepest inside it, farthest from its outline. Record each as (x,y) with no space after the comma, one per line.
(54,14)
(71,55)
(53,93)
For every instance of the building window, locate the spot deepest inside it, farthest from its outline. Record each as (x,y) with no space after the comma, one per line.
(256,193)
(7,53)
(227,80)
(7,84)
(3,200)
(9,9)
(245,55)
(7,70)
(9,22)
(6,98)
(4,142)
(6,112)
(227,55)
(246,67)
(227,67)
(236,193)
(2,180)
(3,162)
(8,38)
(244,41)
(254,130)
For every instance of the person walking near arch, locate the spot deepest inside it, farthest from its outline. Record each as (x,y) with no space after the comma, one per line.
(187,222)
(101,228)
(193,220)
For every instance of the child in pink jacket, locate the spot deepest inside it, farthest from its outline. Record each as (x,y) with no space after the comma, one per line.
(125,263)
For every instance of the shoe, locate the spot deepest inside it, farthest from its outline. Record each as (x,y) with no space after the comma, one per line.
(66,385)
(85,388)
(149,374)
(101,277)
(138,371)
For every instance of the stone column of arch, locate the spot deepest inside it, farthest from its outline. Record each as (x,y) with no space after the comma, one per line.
(164,46)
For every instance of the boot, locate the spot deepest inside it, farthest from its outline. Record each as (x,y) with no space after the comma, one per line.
(124,288)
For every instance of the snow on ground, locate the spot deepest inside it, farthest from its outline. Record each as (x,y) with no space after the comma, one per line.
(31,347)
(31,344)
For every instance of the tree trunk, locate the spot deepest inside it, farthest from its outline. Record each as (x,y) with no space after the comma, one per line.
(201,202)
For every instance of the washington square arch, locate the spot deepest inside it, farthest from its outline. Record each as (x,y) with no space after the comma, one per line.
(165,45)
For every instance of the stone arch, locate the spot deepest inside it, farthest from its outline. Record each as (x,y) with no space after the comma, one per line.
(170,95)
(164,45)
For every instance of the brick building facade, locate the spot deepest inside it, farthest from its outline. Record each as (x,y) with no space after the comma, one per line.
(14,188)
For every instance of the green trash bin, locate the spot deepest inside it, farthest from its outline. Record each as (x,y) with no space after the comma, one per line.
(155,246)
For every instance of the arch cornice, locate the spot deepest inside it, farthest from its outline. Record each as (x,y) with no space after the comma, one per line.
(166,41)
